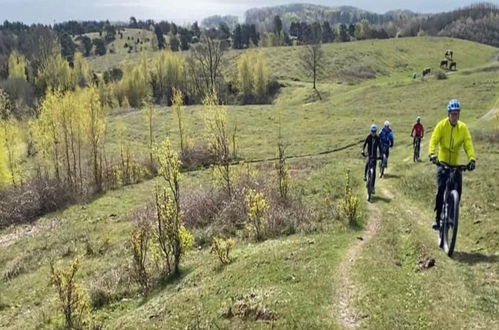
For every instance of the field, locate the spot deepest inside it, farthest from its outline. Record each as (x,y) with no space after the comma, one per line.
(306,279)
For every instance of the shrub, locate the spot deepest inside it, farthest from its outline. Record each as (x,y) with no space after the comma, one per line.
(110,286)
(139,242)
(257,207)
(282,172)
(210,214)
(37,197)
(172,237)
(222,248)
(349,205)
(196,156)
(74,300)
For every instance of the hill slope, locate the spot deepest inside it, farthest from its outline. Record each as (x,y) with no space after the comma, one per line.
(293,282)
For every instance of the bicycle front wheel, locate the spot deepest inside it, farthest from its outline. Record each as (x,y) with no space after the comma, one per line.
(369,184)
(451,223)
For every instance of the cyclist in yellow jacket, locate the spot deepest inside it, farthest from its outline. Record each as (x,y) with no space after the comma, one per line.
(450,135)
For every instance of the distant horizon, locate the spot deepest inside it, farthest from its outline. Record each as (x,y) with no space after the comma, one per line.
(50,12)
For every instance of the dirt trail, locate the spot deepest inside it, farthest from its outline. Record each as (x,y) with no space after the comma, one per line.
(27,230)
(347,292)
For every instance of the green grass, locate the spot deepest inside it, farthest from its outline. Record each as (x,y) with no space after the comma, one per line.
(296,276)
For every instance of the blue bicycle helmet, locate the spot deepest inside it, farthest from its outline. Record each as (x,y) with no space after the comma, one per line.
(454,105)
(374,128)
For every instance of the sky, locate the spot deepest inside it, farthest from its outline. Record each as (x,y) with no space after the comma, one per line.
(187,11)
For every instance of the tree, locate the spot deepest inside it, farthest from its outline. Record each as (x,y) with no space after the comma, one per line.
(316,36)
(82,71)
(56,74)
(160,37)
(149,115)
(195,30)
(205,63)
(132,23)
(174,44)
(167,72)
(185,38)
(17,66)
(67,46)
(85,45)
(261,78)
(172,236)
(218,138)
(245,76)
(9,142)
(100,47)
(94,122)
(237,39)
(342,33)
(135,83)
(277,25)
(110,33)
(327,33)
(312,60)
(351,30)
(178,102)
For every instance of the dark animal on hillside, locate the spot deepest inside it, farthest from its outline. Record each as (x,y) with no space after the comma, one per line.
(452,66)
(448,54)
(444,63)
(426,71)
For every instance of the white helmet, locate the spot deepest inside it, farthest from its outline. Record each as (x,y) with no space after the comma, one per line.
(386,124)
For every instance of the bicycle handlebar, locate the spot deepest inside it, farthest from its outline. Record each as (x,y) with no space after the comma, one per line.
(456,167)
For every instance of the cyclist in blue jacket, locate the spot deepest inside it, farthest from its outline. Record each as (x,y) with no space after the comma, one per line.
(386,140)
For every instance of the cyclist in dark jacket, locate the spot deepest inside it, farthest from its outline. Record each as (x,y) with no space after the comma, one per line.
(373,146)
(386,139)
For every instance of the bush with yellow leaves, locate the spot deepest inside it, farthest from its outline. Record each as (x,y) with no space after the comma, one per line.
(257,208)
(222,247)
(74,300)
(349,205)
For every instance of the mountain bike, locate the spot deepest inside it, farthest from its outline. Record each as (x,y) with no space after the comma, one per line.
(370,176)
(382,164)
(416,146)
(449,217)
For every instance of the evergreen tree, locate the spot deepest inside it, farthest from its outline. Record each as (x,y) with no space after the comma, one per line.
(237,39)
(174,43)
(100,47)
(160,37)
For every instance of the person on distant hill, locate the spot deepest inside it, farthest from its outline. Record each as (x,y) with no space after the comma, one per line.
(373,145)
(417,132)
(450,135)
(386,139)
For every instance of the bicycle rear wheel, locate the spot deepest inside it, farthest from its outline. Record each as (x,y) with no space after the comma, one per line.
(451,223)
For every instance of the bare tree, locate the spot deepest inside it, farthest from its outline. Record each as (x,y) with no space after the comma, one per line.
(312,60)
(204,65)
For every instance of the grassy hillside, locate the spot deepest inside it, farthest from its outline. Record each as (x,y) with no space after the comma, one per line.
(294,281)
(139,40)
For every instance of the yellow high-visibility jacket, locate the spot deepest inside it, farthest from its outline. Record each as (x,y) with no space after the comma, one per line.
(449,140)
